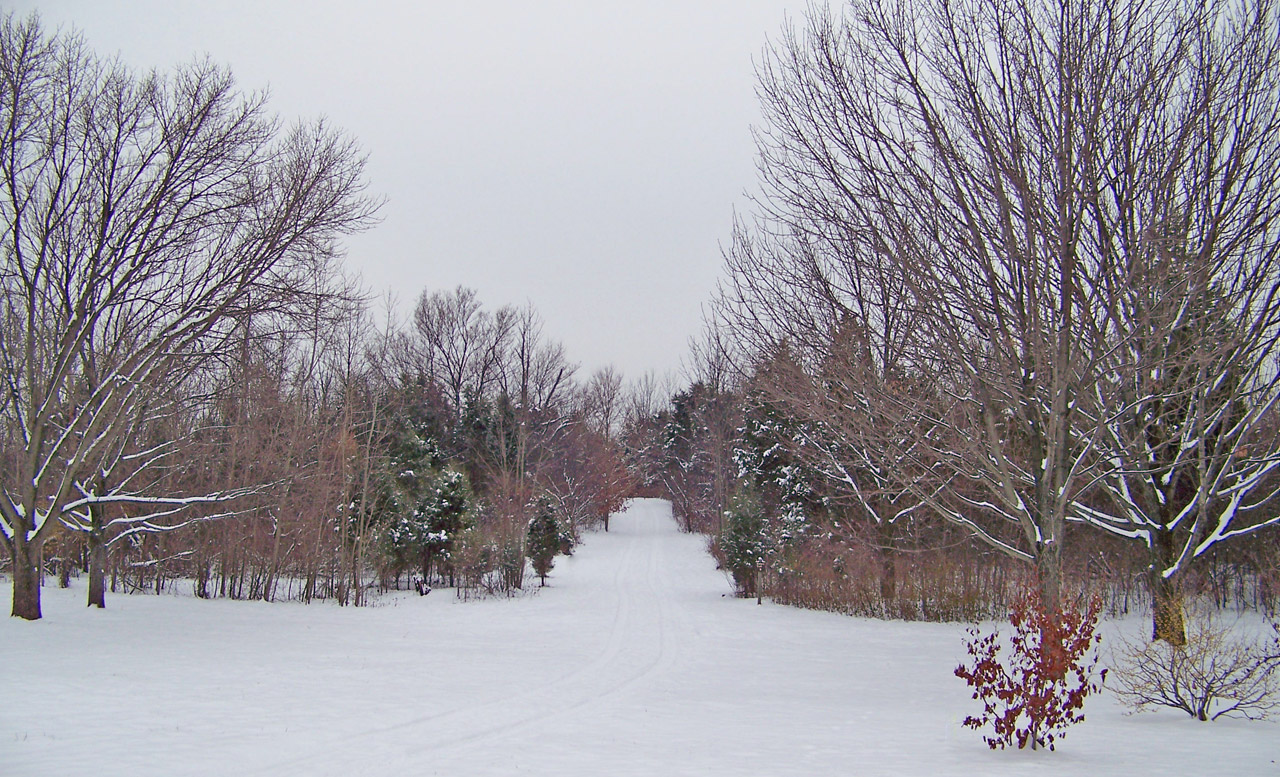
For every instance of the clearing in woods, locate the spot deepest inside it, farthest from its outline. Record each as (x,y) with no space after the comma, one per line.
(635,660)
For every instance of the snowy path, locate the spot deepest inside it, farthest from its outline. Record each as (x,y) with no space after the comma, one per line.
(634,661)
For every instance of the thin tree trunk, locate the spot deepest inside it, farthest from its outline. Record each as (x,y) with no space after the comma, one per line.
(97,555)
(273,571)
(888,565)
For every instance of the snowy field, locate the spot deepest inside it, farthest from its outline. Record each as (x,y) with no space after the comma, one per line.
(635,660)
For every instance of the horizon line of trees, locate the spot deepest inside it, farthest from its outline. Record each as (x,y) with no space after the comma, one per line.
(355,471)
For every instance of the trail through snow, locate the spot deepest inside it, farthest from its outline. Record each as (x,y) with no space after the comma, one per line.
(635,660)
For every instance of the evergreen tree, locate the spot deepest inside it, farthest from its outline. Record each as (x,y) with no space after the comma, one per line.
(432,503)
(744,539)
(544,537)
(764,453)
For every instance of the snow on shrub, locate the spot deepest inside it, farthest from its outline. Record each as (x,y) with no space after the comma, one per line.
(1033,694)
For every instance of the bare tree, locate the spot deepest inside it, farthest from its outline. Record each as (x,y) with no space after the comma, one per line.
(833,332)
(715,359)
(143,216)
(926,139)
(583,470)
(535,381)
(1044,232)
(1187,211)
(973,155)
(601,400)
(465,345)
(647,396)
(536,373)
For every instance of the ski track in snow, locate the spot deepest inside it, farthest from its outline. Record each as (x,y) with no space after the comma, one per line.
(635,660)
(638,630)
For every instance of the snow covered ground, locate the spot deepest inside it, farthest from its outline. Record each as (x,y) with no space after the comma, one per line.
(635,660)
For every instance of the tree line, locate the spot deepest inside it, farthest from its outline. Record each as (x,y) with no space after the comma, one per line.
(1011,276)
(194,391)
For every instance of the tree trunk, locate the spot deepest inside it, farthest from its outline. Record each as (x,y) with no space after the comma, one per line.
(888,581)
(97,571)
(1168,620)
(888,566)
(273,572)
(202,579)
(1049,576)
(26,577)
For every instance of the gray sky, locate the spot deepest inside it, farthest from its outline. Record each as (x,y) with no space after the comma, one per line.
(584,156)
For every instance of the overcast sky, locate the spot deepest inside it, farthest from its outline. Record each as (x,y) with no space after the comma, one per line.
(583,156)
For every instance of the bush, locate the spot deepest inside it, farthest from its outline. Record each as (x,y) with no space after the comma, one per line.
(1041,690)
(826,573)
(1217,673)
(490,559)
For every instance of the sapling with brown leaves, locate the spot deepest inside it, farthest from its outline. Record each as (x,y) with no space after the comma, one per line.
(1032,693)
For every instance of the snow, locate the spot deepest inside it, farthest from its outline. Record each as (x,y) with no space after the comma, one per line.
(635,660)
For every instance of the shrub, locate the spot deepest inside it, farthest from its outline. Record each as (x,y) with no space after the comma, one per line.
(490,558)
(1040,690)
(1217,673)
